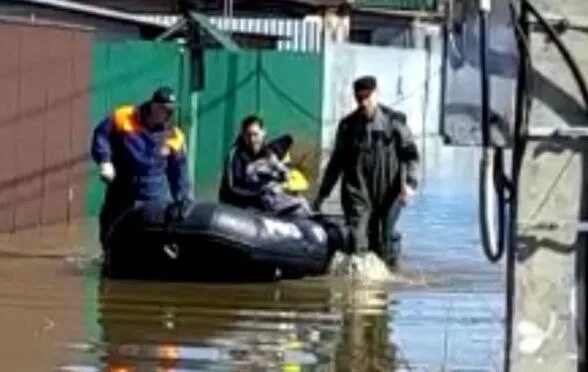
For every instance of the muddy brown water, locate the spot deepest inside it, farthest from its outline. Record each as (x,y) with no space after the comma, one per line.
(57,314)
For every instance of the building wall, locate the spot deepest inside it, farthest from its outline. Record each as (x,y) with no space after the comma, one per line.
(298,35)
(56,84)
(409,80)
(45,98)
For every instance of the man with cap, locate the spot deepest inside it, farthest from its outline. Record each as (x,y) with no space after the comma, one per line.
(377,158)
(141,156)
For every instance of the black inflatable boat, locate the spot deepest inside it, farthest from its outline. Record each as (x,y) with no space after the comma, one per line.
(212,241)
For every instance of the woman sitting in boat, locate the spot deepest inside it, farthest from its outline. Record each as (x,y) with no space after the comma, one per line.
(253,173)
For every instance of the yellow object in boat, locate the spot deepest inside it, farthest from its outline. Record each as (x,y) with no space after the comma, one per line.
(296,182)
(287,158)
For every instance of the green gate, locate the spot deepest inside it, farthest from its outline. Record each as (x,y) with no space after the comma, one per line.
(285,88)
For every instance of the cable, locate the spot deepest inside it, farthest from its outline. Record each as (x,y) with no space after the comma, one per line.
(519,142)
(564,51)
(493,250)
(483,20)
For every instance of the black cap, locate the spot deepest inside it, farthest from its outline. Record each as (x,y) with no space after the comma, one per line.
(365,83)
(164,95)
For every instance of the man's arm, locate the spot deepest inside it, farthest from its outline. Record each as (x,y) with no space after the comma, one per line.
(334,166)
(177,169)
(408,151)
(177,175)
(101,149)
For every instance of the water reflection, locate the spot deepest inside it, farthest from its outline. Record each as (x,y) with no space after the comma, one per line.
(56,312)
(315,326)
(365,343)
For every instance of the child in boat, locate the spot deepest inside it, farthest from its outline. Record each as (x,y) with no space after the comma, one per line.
(272,173)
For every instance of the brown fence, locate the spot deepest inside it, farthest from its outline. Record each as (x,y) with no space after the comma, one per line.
(44,109)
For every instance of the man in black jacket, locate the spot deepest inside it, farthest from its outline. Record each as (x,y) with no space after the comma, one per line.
(377,158)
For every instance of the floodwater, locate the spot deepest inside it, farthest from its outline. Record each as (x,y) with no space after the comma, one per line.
(56,314)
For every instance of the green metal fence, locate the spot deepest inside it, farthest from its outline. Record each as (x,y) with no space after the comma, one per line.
(285,88)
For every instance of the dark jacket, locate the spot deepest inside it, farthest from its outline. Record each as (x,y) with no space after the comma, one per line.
(373,158)
(150,164)
(236,187)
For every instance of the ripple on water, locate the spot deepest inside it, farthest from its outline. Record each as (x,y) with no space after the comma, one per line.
(447,317)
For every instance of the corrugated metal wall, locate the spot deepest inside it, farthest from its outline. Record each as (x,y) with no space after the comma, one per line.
(424,5)
(299,35)
(44,101)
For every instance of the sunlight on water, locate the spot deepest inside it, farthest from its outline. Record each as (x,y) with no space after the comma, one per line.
(441,311)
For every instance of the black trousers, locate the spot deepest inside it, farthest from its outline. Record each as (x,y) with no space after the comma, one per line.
(374,229)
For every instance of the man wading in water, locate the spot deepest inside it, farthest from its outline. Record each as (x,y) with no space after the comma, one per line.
(377,158)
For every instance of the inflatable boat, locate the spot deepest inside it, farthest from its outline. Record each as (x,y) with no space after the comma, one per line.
(215,241)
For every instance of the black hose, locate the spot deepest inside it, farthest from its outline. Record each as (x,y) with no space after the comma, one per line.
(492,251)
(484,80)
(500,187)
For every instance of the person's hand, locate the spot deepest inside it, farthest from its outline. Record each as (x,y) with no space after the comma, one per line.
(179,209)
(407,193)
(107,172)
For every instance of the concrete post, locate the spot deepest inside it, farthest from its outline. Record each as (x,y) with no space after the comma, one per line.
(553,188)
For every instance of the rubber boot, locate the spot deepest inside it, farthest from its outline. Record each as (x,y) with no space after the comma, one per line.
(394,249)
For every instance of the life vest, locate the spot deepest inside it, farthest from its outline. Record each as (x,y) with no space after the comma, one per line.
(126,121)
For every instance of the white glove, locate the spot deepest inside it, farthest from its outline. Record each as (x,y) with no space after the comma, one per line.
(107,172)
